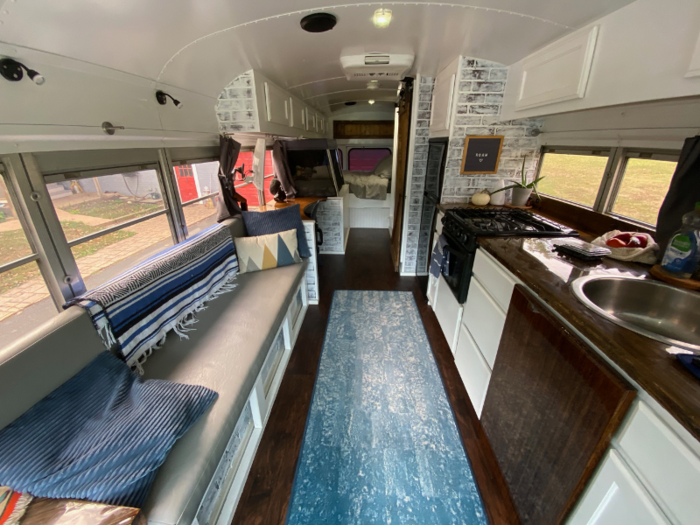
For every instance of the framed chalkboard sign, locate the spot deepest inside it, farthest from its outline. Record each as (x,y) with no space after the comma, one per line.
(481,154)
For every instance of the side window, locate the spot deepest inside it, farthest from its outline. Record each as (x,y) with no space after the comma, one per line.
(246,187)
(366,159)
(198,186)
(573,176)
(645,179)
(25,301)
(111,222)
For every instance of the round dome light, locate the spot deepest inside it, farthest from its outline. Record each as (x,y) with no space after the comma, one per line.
(382,18)
(371,101)
(318,22)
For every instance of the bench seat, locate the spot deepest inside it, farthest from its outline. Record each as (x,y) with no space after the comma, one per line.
(225,353)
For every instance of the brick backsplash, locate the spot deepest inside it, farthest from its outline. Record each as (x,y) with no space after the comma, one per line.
(479,99)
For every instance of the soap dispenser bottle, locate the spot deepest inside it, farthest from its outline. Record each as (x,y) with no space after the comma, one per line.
(683,252)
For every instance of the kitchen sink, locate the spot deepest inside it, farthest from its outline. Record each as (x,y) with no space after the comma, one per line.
(649,308)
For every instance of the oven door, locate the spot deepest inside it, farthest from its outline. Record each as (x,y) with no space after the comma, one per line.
(457,271)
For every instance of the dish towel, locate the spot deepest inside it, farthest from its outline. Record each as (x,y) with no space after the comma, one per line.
(438,259)
(134,311)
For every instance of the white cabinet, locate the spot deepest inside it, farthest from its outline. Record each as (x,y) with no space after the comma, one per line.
(663,461)
(448,312)
(276,104)
(615,497)
(297,113)
(473,369)
(498,281)
(312,286)
(443,94)
(485,320)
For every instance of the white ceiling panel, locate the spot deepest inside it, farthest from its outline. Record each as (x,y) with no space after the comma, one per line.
(201,45)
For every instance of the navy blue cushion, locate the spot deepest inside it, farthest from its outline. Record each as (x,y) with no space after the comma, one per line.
(277,221)
(101,436)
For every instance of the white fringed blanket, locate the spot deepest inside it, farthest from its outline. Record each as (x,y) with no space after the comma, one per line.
(135,310)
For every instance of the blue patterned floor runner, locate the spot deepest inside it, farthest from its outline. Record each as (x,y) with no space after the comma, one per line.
(381,444)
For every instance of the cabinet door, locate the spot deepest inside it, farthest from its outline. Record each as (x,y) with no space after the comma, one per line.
(473,369)
(485,320)
(551,409)
(448,312)
(443,93)
(277,104)
(298,113)
(616,497)
(310,119)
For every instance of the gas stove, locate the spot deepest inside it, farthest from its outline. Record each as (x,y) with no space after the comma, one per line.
(462,227)
(504,223)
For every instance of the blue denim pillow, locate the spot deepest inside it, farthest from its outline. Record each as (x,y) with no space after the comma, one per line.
(101,436)
(277,221)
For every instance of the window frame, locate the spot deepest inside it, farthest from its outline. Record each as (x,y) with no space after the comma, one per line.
(613,174)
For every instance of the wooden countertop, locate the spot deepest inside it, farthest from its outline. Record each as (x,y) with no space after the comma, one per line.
(644,360)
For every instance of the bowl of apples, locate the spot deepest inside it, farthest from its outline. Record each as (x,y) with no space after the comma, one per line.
(629,246)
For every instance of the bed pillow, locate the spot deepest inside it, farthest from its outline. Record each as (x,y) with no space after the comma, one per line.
(383,167)
(276,221)
(265,252)
(99,437)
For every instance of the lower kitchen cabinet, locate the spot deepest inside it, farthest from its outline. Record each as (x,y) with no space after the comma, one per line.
(551,409)
(473,368)
(615,497)
(448,312)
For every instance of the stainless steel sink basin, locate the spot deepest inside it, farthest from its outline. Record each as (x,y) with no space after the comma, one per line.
(650,308)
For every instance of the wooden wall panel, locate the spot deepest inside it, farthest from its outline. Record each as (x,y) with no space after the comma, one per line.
(363,129)
(550,411)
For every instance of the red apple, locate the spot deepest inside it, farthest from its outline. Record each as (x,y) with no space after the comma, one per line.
(616,243)
(624,237)
(643,241)
(634,243)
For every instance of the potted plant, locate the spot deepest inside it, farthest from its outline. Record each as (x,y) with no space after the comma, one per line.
(521,189)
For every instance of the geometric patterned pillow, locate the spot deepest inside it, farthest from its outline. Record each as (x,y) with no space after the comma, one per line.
(267,251)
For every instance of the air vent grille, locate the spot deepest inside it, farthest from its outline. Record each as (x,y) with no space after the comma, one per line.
(377,60)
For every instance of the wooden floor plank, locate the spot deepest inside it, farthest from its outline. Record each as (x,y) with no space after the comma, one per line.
(366,265)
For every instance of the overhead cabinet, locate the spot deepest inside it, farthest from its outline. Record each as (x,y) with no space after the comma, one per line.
(276,112)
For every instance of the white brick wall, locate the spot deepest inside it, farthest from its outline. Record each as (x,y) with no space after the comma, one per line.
(416,251)
(479,99)
(236,109)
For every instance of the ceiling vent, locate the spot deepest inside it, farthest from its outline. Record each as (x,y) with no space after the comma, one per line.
(376,66)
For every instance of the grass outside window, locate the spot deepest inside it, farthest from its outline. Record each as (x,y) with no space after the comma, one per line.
(575,178)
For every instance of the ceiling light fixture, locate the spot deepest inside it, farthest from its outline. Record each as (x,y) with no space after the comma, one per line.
(371,101)
(382,17)
(162,98)
(14,71)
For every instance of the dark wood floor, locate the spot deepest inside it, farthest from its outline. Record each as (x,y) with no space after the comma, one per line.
(366,265)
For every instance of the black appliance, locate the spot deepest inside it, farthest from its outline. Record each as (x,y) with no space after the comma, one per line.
(463,226)
(434,174)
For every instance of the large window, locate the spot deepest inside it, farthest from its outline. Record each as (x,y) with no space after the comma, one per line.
(620,181)
(573,176)
(111,222)
(644,183)
(366,159)
(245,187)
(198,185)
(21,284)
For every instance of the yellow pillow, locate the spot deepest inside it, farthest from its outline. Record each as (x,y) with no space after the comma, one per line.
(267,251)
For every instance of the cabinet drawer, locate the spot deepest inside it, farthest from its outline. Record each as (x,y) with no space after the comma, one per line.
(473,369)
(615,497)
(485,320)
(664,462)
(498,281)
(448,312)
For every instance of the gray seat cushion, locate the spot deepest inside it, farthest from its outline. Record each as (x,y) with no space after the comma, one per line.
(40,362)
(224,353)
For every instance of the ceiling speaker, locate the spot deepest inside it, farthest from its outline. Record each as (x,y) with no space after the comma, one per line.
(318,22)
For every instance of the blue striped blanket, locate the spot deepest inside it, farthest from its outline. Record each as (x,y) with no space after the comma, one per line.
(101,436)
(134,311)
